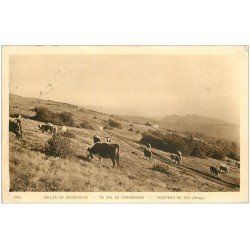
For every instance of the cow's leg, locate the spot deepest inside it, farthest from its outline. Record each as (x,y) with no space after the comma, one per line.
(100,159)
(113,160)
(117,161)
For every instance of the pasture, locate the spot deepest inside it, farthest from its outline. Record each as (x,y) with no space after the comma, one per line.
(32,170)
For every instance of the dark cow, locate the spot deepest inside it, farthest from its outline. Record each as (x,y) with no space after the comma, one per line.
(96,139)
(148,154)
(15,126)
(175,158)
(237,164)
(214,171)
(46,127)
(224,168)
(105,150)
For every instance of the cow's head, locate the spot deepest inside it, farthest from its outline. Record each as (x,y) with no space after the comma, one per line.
(90,153)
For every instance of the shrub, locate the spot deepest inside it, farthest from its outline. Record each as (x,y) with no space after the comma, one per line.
(234,155)
(70,134)
(45,115)
(59,145)
(218,154)
(67,118)
(86,125)
(197,152)
(115,124)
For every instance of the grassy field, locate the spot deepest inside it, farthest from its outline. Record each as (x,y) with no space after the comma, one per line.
(32,170)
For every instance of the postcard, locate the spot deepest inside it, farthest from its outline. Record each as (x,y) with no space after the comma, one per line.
(125,124)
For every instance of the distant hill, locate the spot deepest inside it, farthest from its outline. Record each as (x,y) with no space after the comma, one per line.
(139,119)
(189,123)
(193,123)
(114,110)
(199,124)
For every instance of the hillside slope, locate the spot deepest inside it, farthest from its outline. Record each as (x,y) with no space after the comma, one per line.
(32,170)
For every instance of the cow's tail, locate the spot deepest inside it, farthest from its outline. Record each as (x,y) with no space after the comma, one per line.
(117,154)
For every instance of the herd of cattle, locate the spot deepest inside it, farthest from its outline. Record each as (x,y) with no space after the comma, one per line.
(15,126)
(105,149)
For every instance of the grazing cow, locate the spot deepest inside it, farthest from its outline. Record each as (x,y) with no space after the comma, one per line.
(46,127)
(96,139)
(148,154)
(105,150)
(176,158)
(63,129)
(214,171)
(179,153)
(224,168)
(15,126)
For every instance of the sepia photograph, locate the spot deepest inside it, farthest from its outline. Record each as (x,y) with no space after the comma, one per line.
(125,123)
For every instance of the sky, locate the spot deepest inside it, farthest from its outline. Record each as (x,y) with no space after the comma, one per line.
(149,85)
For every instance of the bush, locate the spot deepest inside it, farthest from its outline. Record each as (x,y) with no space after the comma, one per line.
(45,115)
(59,145)
(67,118)
(70,134)
(218,154)
(197,152)
(86,125)
(42,114)
(115,124)
(234,156)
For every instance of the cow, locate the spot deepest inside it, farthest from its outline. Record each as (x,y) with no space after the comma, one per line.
(148,154)
(108,139)
(214,171)
(105,150)
(96,138)
(63,129)
(15,126)
(46,127)
(237,164)
(149,145)
(175,158)
(224,168)
(179,153)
